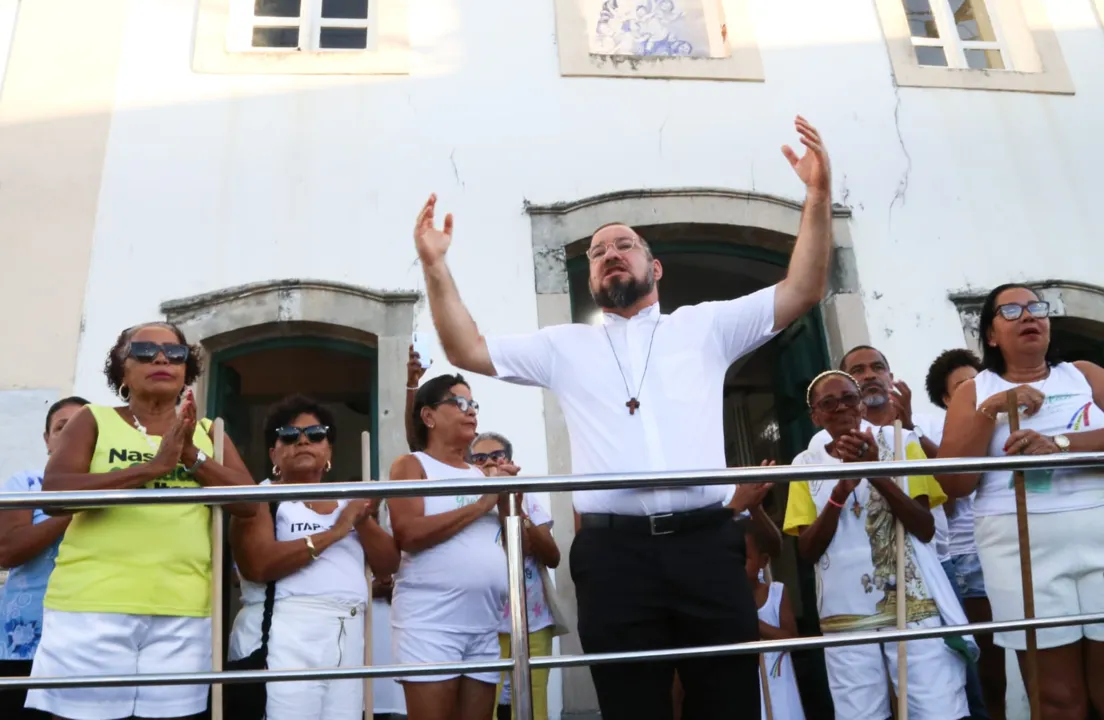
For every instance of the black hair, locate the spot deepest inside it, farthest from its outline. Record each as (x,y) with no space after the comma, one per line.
(759,535)
(64,402)
(431,393)
(852,351)
(292,407)
(941,369)
(992,359)
(113,366)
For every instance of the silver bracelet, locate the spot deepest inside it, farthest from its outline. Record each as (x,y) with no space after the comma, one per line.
(415,389)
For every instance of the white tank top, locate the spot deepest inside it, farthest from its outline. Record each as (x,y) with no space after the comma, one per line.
(1068,409)
(781,681)
(337,574)
(458,585)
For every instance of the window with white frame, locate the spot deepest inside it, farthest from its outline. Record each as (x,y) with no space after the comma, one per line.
(956,34)
(306,25)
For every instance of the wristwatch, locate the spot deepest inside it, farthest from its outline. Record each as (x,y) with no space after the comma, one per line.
(919,431)
(201,457)
(1062,442)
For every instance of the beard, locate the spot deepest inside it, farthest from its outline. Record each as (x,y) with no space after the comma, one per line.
(875,399)
(620,294)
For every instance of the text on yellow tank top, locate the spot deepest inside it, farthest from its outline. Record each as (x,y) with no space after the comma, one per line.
(135,559)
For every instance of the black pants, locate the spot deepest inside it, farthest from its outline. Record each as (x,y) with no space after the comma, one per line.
(11,701)
(641,592)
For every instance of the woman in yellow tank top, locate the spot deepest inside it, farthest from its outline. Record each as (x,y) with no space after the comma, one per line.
(132,585)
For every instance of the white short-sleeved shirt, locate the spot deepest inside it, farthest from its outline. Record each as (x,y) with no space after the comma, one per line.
(678,425)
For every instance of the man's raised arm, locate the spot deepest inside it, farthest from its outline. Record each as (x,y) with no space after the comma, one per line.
(464,347)
(807,277)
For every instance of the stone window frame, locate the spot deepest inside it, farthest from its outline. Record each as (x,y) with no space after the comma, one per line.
(218,28)
(1066,298)
(1029,44)
(224,318)
(555,226)
(743,62)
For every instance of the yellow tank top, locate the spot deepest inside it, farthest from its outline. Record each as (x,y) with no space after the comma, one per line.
(135,559)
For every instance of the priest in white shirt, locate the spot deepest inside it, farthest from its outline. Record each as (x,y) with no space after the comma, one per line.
(642,392)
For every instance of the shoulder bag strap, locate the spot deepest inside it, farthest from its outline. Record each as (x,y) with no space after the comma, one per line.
(270,594)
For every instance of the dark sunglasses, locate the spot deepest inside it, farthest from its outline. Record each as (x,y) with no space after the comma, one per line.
(832,403)
(496,455)
(462,403)
(1038,309)
(289,435)
(147,352)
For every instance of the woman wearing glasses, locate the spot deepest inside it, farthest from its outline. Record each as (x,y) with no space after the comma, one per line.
(450,590)
(1060,411)
(312,555)
(846,529)
(131,588)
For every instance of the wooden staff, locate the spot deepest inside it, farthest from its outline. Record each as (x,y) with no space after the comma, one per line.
(902,596)
(366,476)
(216,579)
(764,676)
(1013,403)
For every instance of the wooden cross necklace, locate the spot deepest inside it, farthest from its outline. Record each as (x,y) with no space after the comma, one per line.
(633,403)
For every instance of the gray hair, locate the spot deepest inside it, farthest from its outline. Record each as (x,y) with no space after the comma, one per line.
(501,440)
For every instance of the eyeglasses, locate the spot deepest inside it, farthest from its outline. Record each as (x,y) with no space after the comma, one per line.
(1038,309)
(462,403)
(147,352)
(832,403)
(621,245)
(495,455)
(289,434)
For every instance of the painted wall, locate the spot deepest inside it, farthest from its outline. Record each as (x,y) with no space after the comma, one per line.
(213,181)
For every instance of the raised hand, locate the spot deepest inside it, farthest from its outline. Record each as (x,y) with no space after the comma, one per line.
(186,415)
(431,243)
(902,403)
(414,369)
(353,514)
(813,167)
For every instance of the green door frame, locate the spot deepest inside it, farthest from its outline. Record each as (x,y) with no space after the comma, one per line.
(217,373)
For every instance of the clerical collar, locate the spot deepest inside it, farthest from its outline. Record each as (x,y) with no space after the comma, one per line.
(648,313)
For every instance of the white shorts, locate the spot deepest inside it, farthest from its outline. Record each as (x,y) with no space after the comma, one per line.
(78,644)
(315,633)
(1067,571)
(936,679)
(410,646)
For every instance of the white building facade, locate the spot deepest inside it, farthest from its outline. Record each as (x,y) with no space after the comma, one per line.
(251,169)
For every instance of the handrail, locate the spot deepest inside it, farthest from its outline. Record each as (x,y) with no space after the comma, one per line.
(560,661)
(520,663)
(545,483)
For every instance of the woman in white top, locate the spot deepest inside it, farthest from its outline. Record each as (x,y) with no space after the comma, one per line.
(494,454)
(846,528)
(1060,409)
(450,589)
(315,555)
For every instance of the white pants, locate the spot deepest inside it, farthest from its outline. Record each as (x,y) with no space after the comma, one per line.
(1067,572)
(413,646)
(75,644)
(316,633)
(936,679)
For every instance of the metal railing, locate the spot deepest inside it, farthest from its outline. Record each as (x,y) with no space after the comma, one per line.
(520,663)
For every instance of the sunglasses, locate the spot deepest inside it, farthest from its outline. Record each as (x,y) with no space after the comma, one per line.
(462,403)
(832,403)
(147,352)
(621,245)
(1038,309)
(289,435)
(495,455)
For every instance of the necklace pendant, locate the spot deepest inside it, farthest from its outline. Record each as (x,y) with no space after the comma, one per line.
(632,405)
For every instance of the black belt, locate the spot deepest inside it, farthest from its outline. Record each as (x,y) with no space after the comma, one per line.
(664,524)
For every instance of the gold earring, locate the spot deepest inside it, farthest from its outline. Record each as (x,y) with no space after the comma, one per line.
(275,471)
(329,466)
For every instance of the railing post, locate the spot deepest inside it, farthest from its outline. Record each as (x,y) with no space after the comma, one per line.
(521,686)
